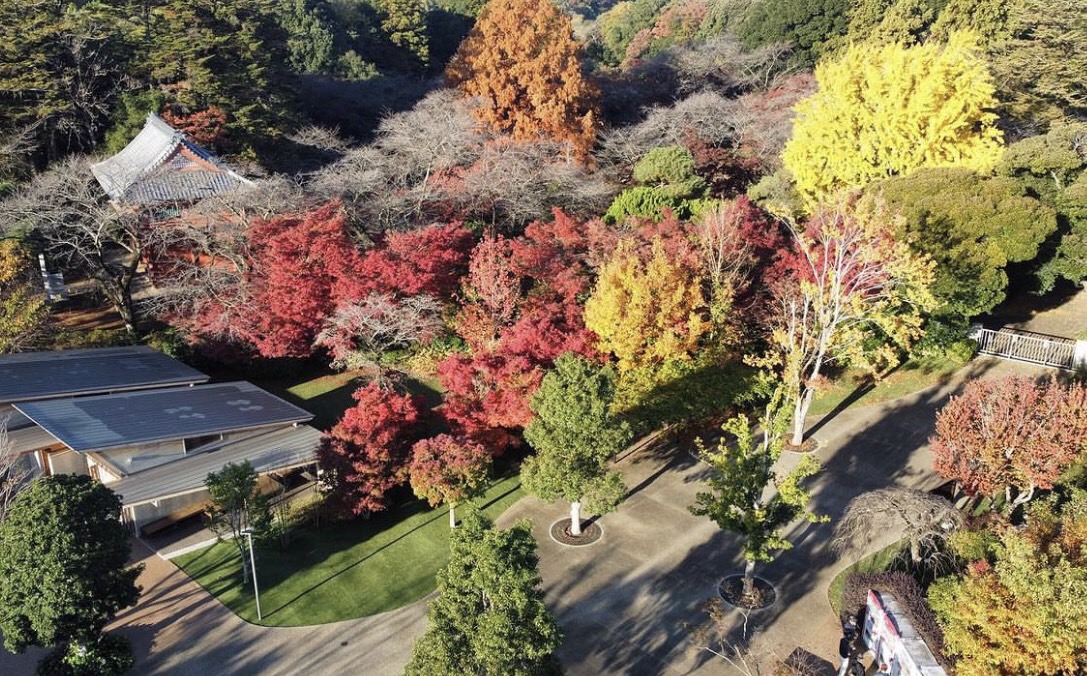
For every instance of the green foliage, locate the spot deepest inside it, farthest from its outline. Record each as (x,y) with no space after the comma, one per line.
(404,22)
(972,227)
(811,26)
(129,116)
(489,617)
(311,36)
(888,21)
(236,503)
(108,656)
(63,552)
(23,312)
(61,65)
(988,19)
(617,27)
(575,434)
(846,135)
(1024,611)
(741,472)
(1041,64)
(680,391)
(668,181)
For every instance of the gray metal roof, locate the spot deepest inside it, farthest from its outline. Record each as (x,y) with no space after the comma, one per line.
(161,164)
(267,452)
(42,375)
(133,418)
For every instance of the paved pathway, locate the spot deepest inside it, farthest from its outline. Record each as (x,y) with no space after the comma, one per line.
(624,603)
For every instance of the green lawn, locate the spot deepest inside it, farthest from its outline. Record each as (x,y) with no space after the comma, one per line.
(341,571)
(912,376)
(873,563)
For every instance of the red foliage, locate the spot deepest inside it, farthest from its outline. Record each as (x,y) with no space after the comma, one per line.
(1012,432)
(302,268)
(367,452)
(492,290)
(487,395)
(205,127)
(443,469)
(428,261)
(555,253)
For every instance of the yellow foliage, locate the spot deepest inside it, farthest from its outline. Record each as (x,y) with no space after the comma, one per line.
(22,306)
(646,312)
(886,111)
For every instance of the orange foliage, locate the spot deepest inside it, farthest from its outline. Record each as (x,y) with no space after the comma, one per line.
(521,60)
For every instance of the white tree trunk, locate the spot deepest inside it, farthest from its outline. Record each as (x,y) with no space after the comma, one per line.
(800,412)
(575,518)
(749,579)
(452,516)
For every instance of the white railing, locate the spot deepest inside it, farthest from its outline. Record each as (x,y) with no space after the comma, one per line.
(1036,348)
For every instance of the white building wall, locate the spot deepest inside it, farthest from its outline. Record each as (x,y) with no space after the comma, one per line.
(67,462)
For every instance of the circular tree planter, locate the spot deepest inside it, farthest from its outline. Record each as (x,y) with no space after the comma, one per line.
(810,445)
(762,596)
(590,533)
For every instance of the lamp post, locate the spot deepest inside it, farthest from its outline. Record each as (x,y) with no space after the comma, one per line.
(248,533)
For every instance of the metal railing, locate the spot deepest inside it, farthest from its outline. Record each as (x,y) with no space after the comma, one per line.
(1029,347)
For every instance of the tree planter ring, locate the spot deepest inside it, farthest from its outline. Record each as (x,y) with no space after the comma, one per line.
(591,532)
(731,591)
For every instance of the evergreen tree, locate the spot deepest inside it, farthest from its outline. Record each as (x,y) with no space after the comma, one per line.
(405,24)
(63,558)
(489,618)
(522,61)
(575,434)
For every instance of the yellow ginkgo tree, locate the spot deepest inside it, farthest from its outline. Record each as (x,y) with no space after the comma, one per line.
(884,111)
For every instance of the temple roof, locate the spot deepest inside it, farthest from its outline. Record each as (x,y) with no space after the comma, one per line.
(162,165)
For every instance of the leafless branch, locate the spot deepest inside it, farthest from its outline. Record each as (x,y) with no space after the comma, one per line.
(923,517)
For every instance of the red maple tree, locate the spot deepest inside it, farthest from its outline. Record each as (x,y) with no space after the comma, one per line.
(1013,435)
(366,454)
(427,261)
(448,470)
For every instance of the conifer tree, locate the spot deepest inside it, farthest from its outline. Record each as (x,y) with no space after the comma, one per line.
(522,61)
(489,617)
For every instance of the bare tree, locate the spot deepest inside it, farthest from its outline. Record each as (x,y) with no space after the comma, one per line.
(926,519)
(359,333)
(763,121)
(80,231)
(718,636)
(15,470)
(722,64)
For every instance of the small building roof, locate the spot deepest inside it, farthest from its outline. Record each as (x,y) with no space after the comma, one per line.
(163,165)
(267,452)
(29,376)
(132,418)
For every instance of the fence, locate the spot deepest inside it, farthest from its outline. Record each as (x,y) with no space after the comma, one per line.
(1035,348)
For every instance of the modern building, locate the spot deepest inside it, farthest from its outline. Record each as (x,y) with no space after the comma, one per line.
(146,425)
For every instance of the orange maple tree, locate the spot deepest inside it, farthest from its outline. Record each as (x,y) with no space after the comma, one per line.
(521,60)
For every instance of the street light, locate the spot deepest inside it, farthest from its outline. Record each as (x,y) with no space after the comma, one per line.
(248,533)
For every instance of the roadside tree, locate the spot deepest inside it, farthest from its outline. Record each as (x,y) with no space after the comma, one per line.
(489,617)
(1014,435)
(575,435)
(64,569)
(848,279)
(742,469)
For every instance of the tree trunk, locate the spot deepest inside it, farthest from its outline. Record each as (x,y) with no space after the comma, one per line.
(915,549)
(800,412)
(749,580)
(452,516)
(575,518)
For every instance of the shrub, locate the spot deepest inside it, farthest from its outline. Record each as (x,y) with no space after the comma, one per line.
(110,656)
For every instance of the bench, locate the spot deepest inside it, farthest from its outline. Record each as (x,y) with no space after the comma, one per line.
(172,519)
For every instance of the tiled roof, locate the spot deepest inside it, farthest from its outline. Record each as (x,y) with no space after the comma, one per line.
(64,373)
(163,165)
(147,416)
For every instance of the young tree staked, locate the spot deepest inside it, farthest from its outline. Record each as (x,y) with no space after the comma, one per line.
(63,564)
(522,61)
(489,617)
(742,470)
(575,435)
